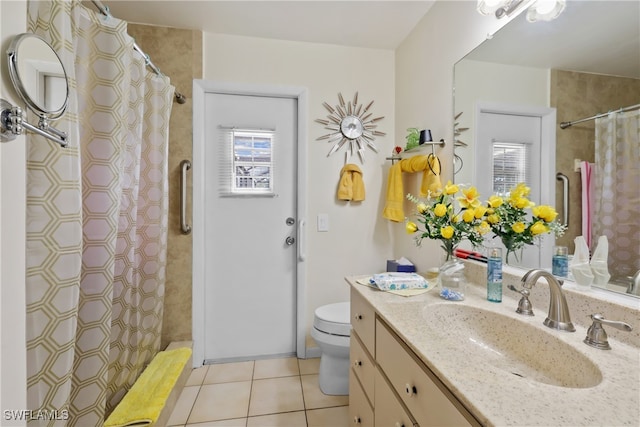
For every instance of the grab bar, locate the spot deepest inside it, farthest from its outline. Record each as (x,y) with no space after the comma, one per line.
(185,165)
(565,197)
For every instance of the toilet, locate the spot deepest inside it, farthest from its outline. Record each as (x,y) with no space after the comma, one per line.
(331,331)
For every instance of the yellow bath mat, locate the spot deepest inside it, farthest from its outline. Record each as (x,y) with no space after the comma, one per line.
(142,405)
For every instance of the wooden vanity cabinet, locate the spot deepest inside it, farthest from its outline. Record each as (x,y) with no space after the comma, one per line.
(388,385)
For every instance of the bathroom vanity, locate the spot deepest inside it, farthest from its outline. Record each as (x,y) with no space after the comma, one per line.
(425,361)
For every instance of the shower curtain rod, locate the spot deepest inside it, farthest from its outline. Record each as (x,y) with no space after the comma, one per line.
(565,125)
(180,98)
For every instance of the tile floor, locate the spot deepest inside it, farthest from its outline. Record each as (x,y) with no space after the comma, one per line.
(261,393)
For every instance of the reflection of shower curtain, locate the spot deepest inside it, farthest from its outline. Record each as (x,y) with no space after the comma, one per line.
(617,208)
(96,220)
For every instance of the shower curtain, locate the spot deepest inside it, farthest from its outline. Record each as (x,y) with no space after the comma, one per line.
(96,221)
(617,205)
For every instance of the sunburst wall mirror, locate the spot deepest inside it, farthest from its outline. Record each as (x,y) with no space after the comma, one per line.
(351,124)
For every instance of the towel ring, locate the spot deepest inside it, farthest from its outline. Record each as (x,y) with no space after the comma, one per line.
(456,159)
(429,163)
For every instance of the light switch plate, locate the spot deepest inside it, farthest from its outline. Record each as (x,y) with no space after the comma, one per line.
(323,222)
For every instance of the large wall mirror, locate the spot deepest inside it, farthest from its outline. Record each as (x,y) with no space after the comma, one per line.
(584,63)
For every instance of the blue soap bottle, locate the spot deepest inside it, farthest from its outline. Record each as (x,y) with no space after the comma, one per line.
(560,261)
(494,275)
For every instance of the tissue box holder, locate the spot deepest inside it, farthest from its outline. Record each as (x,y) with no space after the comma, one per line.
(393,266)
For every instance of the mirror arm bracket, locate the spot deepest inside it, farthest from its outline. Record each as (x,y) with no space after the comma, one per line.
(12,124)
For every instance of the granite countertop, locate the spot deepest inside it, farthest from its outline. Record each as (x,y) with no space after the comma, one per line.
(498,398)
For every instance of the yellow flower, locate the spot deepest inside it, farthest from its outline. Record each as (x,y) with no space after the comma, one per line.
(450,188)
(411,227)
(493,219)
(495,201)
(521,202)
(520,190)
(483,228)
(470,198)
(440,210)
(479,211)
(539,228)
(422,208)
(447,232)
(455,219)
(544,212)
(518,227)
(468,215)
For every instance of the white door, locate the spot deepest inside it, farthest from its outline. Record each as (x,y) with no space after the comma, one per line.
(250,222)
(503,136)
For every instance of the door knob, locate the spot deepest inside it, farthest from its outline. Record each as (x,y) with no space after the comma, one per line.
(290,240)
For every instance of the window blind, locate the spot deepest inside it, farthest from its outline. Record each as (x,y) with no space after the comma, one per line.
(246,162)
(510,165)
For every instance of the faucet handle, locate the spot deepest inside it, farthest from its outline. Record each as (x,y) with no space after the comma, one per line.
(597,336)
(524,305)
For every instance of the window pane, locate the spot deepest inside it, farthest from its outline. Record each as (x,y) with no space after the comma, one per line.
(252,158)
(510,166)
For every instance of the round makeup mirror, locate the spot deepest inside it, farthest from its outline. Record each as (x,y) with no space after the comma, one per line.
(38,75)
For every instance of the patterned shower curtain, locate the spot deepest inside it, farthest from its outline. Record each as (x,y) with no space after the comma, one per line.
(617,205)
(96,221)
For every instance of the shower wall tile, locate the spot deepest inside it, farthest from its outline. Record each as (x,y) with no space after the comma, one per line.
(575,96)
(178,54)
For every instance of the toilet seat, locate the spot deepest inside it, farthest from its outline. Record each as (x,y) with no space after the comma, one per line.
(333,319)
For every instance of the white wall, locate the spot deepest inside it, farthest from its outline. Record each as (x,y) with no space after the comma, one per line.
(13,390)
(424,82)
(359,240)
(486,82)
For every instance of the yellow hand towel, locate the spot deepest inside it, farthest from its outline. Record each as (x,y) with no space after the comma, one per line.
(431,177)
(351,185)
(429,165)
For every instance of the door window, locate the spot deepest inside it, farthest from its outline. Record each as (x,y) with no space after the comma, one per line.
(252,162)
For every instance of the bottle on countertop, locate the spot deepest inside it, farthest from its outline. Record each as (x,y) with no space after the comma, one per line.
(560,261)
(494,275)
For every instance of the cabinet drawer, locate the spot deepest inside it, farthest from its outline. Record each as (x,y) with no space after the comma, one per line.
(360,411)
(389,411)
(362,365)
(363,321)
(430,403)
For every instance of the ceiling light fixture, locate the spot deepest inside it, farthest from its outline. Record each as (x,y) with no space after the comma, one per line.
(539,10)
(545,10)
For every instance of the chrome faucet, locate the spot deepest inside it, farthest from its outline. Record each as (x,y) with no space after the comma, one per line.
(558,317)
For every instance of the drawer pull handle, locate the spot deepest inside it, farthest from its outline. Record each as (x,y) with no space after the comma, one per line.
(410,390)
(357,363)
(358,316)
(399,424)
(357,420)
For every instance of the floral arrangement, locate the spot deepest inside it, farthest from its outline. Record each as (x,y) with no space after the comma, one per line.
(508,218)
(510,221)
(439,219)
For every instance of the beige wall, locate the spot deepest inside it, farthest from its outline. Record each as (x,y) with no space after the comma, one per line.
(424,81)
(13,357)
(576,96)
(486,82)
(178,54)
(358,241)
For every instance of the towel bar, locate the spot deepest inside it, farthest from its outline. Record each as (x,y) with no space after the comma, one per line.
(565,197)
(185,165)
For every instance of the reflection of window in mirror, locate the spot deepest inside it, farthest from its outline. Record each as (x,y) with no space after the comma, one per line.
(510,160)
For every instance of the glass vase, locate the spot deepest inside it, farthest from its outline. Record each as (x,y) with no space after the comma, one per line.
(452,280)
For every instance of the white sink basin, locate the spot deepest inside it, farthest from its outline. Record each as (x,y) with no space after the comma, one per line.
(513,346)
